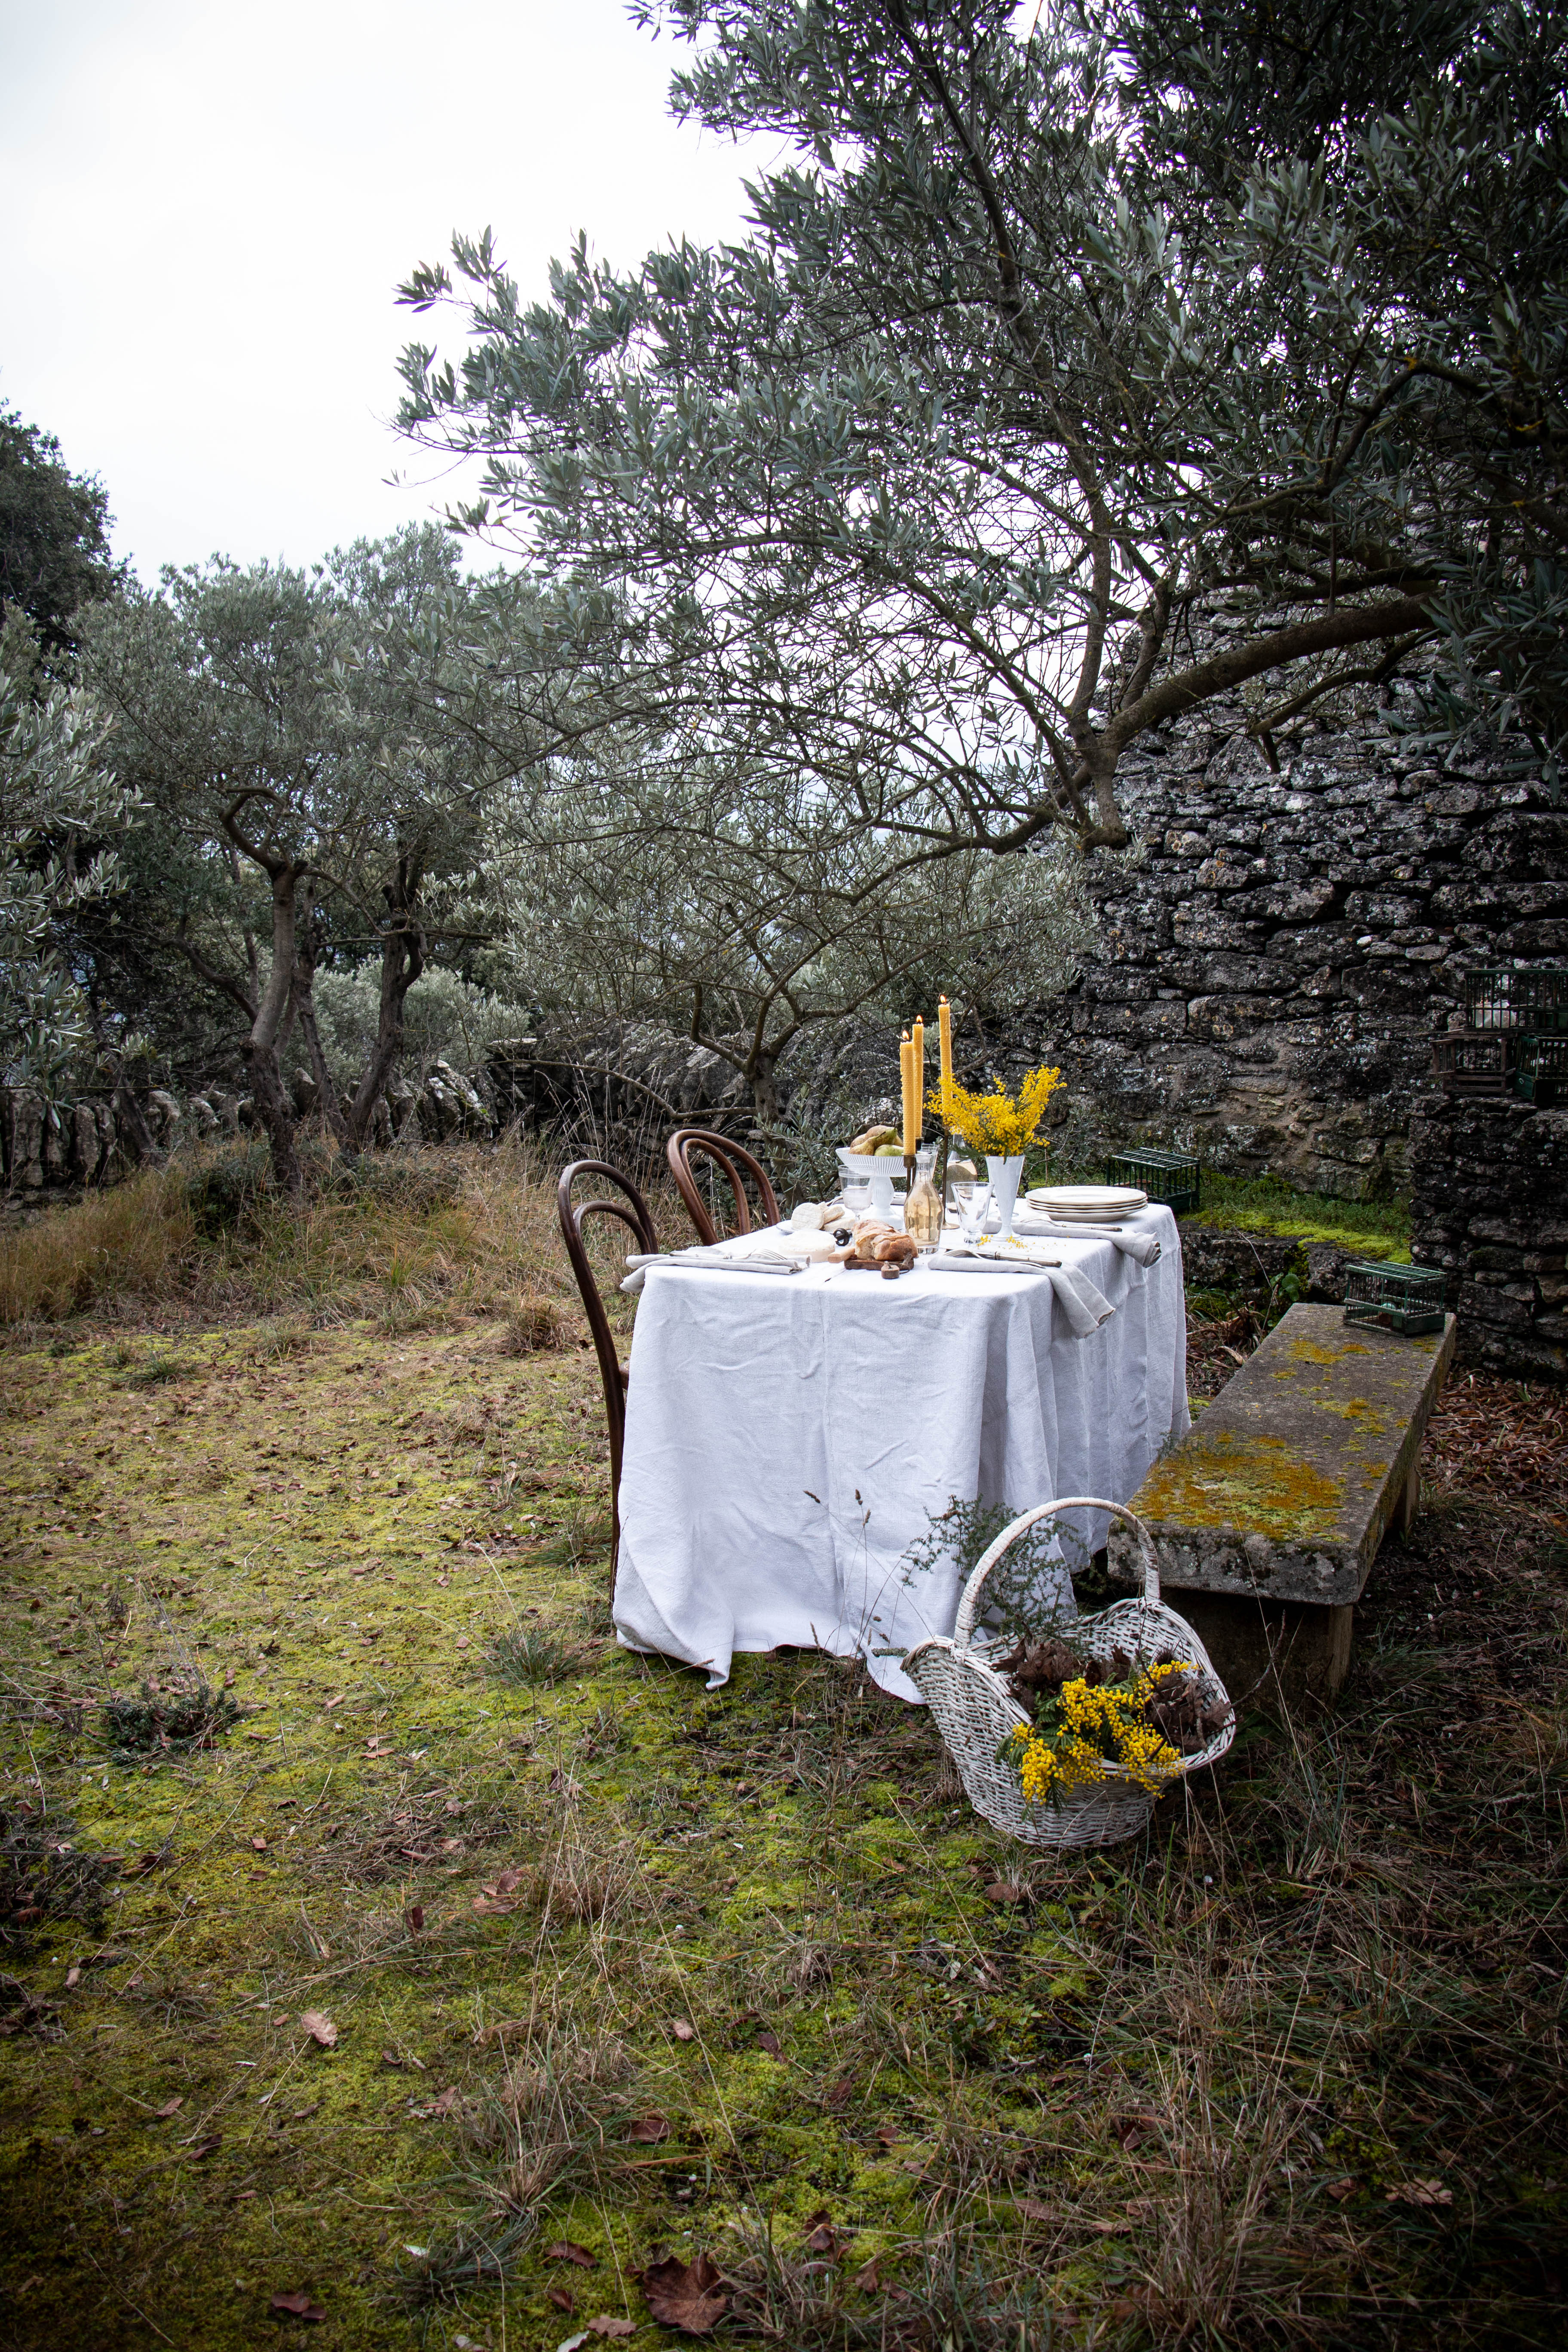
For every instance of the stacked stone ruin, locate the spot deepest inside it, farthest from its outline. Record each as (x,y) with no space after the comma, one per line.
(1276,960)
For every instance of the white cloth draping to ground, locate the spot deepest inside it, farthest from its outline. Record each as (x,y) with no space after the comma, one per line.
(788,1440)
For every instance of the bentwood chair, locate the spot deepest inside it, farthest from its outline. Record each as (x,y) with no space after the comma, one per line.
(734,1162)
(574,1216)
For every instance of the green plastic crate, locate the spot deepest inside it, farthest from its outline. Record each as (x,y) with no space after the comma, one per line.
(1175,1178)
(1408,1299)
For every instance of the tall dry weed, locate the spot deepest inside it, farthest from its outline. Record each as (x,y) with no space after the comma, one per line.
(131,1244)
(414,1237)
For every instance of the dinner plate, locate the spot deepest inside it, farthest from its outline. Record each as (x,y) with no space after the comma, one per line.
(1088,1202)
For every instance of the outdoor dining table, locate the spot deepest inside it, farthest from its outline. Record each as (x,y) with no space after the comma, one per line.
(789,1439)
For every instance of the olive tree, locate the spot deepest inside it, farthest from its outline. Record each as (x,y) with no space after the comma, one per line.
(61,811)
(302,794)
(919,488)
(744,909)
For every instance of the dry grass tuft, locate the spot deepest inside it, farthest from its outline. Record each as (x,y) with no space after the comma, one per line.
(547,2125)
(533,1326)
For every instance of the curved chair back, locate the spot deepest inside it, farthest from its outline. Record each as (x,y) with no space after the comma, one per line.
(633,1212)
(734,1162)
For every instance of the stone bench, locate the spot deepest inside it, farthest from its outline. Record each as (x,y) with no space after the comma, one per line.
(1268,1515)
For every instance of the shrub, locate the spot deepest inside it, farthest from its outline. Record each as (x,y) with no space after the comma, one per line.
(222,1189)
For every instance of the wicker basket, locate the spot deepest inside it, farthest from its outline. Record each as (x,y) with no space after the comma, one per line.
(974,1710)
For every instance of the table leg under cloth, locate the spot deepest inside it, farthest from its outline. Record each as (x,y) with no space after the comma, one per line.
(788,1442)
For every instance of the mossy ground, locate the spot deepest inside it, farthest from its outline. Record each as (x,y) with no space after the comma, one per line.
(1288,2070)
(1261,1205)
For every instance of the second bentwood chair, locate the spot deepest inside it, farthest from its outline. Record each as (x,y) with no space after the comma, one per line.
(636,1217)
(688,1143)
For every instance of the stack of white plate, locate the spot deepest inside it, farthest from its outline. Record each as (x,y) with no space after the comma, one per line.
(1087,1204)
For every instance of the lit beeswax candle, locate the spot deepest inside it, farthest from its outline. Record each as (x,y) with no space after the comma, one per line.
(907,1072)
(944,1039)
(919,1059)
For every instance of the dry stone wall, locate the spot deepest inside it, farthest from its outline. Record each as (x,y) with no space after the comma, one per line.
(1489,1205)
(1276,958)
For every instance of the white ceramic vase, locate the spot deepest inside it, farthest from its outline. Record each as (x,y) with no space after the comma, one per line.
(1005,1176)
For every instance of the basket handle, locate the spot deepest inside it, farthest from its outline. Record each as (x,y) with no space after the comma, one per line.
(964,1625)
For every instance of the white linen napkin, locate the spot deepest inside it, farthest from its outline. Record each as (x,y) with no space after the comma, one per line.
(1085,1305)
(1142,1248)
(774,1250)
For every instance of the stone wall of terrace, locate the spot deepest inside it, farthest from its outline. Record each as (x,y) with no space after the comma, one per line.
(1489,1185)
(1278,956)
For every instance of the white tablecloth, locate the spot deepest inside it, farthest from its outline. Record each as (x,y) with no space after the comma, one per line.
(790,1437)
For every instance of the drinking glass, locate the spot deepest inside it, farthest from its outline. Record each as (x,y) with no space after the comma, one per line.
(974,1204)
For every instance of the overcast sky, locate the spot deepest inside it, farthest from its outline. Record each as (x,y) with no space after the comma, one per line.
(208,206)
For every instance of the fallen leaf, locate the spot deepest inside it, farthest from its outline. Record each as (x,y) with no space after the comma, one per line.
(647,2130)
(1140,2209)
(73,1975)
(228,1677)
(1109,2229)
(1033,2211)
(1340,2190)
(415,1915)
(462,1641)
(770,2042)
(320,2028)
(1005,1890)
(391,2058)
(507,1883)
(564,2250)
(887,2134)
(170,2107)
(868,2279)
(445,2101)
(260,1843)
(824,2238)
(602,2323)
(207,2147)
(296,2306)
(1420,2193)
(559,2296)
(682,2031)
(686,2294)
(838,2094)
(488,1909)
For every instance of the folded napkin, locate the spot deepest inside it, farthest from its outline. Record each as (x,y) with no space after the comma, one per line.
(1085,1306)
(763,1253)
(1143,1249)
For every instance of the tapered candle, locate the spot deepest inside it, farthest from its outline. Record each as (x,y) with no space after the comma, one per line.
(907,1072)
(918,1058)
(944,1040)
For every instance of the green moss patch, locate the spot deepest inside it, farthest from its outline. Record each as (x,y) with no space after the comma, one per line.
(472,1961)
(1260,1484)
